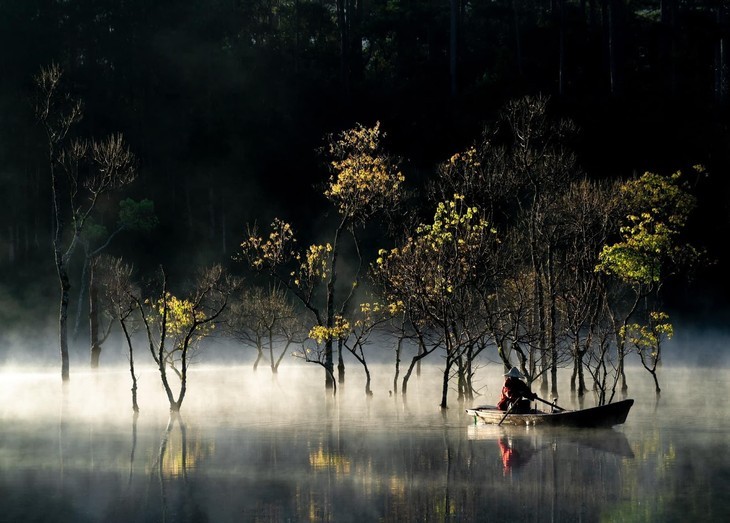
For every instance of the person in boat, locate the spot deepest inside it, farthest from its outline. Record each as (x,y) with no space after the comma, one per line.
(515,391)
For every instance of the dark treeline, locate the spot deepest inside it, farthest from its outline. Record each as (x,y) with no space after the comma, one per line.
(226,105)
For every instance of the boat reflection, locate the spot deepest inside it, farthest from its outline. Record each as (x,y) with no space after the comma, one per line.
(518,445)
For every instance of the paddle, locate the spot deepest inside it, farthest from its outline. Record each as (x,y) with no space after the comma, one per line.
(509,410)
(549,403)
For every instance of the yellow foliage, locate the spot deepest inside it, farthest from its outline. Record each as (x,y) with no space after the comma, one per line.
(660,207)
(272,250)
(442,256)
(364,179)
(181,316)
(322,334)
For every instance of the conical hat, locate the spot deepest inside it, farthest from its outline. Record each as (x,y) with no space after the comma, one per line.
(514,372)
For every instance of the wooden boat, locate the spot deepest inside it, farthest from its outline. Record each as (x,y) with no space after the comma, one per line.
(603,416)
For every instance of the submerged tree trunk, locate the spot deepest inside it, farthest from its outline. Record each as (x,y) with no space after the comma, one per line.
(398,347)
(63,315)
(450,360)
(135,406)
(445,384)
(328,357)
(259,353)
(340,363)
(94,317)
(552,317)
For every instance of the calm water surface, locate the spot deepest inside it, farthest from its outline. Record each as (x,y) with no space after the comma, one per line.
(250,448)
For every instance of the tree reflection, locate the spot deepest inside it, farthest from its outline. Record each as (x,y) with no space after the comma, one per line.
(176,456)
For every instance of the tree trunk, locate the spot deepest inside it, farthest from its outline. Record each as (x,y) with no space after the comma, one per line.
(445,383)
(398,347)
(612,21)
(541,320)
(340,363)
(552,317)
(135,406)
(271,351)
(259,356)
(721,69)
(453,40)
(621,368)
(328,358)
(63,314)
(94,317)
(259,352)
(368,390)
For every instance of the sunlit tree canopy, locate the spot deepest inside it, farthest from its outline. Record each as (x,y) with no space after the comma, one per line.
(181,315)
(364,178)
(659,208)
(442,257)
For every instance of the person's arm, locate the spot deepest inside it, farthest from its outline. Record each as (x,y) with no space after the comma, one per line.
(526,392)
(529,394)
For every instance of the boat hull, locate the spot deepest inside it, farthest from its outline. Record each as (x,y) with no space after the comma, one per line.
(594,417)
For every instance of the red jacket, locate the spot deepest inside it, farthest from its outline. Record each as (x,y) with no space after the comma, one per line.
(513,390)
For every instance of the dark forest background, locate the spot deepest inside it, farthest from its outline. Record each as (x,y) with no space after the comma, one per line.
(226,102)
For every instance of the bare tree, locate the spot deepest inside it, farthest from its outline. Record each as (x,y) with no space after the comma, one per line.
(265,320)
(133,216)
(119,290)
(81,173)
(590,216)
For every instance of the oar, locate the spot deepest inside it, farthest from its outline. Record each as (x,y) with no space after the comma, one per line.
(549,403)
(509,410)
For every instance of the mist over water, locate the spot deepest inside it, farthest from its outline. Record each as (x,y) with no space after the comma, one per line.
(253,447)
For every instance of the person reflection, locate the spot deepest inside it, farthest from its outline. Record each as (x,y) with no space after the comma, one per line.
(512,456)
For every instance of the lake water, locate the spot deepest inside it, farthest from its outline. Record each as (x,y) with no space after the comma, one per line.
(250,448)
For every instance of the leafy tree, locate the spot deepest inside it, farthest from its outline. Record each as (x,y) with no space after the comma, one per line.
(438,272)
(650,249)
(648,339)
(364,180)
(517,172)
(320,353)
(175,326)
(371,317)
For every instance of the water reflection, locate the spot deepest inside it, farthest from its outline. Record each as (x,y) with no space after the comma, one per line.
(518,445)
(515,453)
(259,452)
